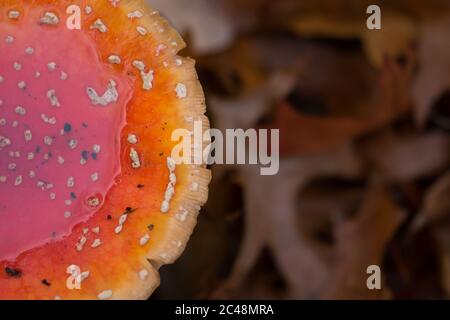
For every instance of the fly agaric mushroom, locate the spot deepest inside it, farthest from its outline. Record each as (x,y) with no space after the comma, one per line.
(91,202)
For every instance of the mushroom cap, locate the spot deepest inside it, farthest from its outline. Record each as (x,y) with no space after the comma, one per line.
(92,202)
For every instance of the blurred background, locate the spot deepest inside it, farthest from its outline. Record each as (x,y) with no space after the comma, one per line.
(364,119)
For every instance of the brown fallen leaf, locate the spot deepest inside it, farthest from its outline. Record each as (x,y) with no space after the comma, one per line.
(324,203)
(397,33)
(442,236)
(434,73)
(398,158)
(361,243)
(292,8)
(435,204)
(303,134)
(271,221)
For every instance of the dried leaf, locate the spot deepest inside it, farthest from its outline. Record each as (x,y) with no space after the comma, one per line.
(436,204)
(361,243)
(271,220)
(395,37)
(407,158)
(434,73)
(303,134)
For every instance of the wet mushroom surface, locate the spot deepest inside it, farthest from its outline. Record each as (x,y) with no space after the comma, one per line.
(91,201)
